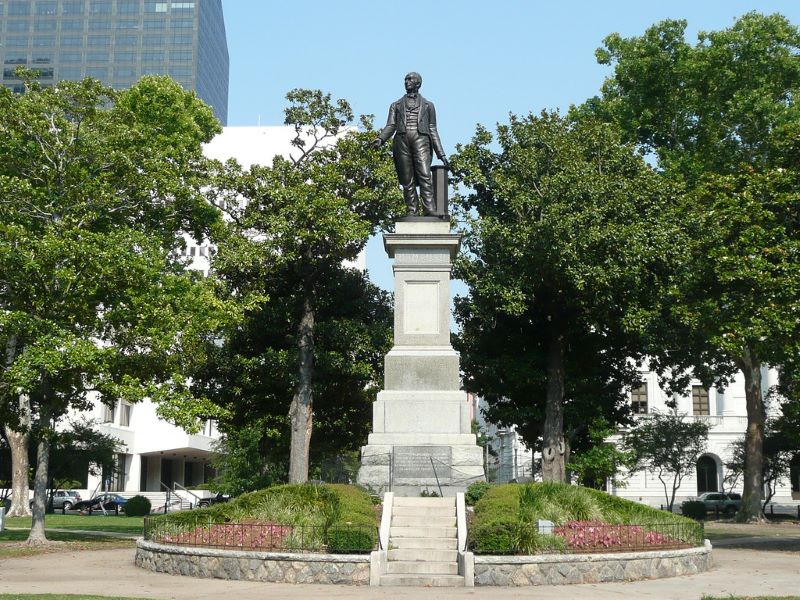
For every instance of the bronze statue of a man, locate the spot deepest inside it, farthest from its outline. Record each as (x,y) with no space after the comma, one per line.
(412,121)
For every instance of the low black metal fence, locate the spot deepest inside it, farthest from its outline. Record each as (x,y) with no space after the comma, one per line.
(580,537)
(264,537)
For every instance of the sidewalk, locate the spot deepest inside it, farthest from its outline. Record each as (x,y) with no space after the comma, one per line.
(112,573)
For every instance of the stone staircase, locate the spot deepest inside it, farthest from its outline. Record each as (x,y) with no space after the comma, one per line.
(423,544)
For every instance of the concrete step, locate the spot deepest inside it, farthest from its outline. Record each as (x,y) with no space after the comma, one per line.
(423,521)
(430,543)
(421,554)
(410,567)
(404,501)
(422,532)
(423,580)
(428,511)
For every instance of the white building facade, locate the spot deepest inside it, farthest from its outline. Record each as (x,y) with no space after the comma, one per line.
(724,410)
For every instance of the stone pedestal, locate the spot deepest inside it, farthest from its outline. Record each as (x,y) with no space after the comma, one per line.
(421,428)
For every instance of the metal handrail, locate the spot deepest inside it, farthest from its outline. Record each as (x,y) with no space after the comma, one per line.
(439,485)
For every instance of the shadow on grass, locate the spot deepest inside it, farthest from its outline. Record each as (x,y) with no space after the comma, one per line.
(61,597)
(13,543)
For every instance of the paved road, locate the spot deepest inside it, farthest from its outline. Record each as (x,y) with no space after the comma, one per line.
(112,573)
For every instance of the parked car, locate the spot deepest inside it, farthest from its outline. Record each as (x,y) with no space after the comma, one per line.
(107,501)
(724,503)
(206,502)
(65,499)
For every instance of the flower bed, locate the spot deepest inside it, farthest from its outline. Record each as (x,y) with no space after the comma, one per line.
(593,536)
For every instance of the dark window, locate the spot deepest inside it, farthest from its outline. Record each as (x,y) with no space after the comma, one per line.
(70,57)
(700,400)
(100,40)
(71,40)
(43,41)
(127,40)
(124,72)
(96,25)
(127,24)
(124,56)
(97,72)
(15,60)
(42,58)
(639,399)
(707,480)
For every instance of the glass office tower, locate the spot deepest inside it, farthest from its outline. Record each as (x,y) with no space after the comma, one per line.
(118,41)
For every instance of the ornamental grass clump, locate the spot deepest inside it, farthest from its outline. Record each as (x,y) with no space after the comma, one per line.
(328,517)
(507,521)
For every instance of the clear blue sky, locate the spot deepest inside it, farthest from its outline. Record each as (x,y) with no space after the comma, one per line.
(479,60)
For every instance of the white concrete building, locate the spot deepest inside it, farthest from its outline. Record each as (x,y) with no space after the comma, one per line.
(724,410)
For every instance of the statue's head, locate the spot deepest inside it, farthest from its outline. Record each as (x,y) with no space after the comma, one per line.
(413,82)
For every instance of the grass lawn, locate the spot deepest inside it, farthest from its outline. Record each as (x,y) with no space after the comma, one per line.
(739,598)
(95,522)
(60,597)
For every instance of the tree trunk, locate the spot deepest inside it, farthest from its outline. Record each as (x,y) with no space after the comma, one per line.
(300,411)
(753,440)
(37,535)
(18,441)
(553,465)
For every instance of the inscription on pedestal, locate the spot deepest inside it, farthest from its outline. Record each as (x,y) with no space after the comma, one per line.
(419,462)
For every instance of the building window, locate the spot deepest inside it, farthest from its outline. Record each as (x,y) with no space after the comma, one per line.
(17,26)
(127,40)
(109,412)
(48,25)
(100,73)
(125,414)
(100,40)
(72,7)
(15,60)
(639,399)
(124,72)
(99,25)
(17,41)
(97,56)
(700,400)
(46,7)
(127,6)
(71,73)
(71,40)
(71,25)
(101,7)
(70,57)
(19,8)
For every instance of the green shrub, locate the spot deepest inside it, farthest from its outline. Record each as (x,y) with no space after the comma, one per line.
(475,492)
(138,506)
(499,537)
(694,509)
(499,502)
(345,540)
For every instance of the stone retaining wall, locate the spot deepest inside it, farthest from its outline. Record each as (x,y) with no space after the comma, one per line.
(590,568)
(348,569)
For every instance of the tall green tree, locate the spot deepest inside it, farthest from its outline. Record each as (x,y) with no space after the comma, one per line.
(567,241)
(293,225)
(96,188)
(722,118)
(667,445)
